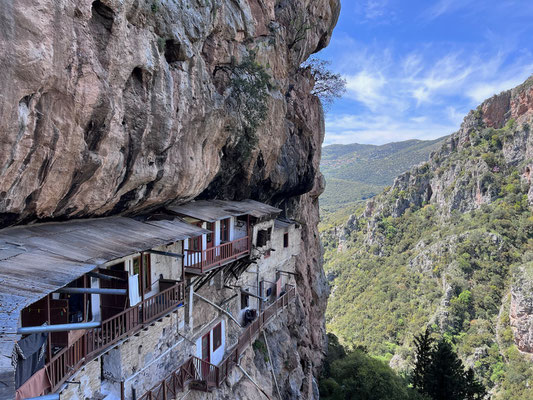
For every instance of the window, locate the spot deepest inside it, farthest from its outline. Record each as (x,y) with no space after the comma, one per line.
(263,236)
(195,243)
(244,300)
(286,239)
(217,336)
(224,230)
(145,279)
(211,228)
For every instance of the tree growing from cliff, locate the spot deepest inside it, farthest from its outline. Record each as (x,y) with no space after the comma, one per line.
(250,85)
(328,85)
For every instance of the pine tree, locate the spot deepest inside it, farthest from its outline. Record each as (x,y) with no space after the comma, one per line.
(424,348)
(474,390)
(444,378)
(440,374)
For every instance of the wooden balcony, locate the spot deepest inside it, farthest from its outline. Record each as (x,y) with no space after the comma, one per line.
(94,341)
(201,375)
(201,261)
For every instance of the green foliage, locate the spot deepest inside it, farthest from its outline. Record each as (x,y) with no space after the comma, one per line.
(155,6)
(391,277)
(356,375)
(440,374)
(161,44)
(250,85)
(260,346)
(358,172)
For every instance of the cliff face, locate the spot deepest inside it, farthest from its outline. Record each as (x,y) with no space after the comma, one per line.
(462,185)
(448,245)
(112,107)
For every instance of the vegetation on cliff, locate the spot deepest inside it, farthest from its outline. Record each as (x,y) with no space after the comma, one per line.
(356,172)
(441,249)
(353,374)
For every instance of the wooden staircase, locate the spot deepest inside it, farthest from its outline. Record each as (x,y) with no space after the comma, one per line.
(203,376)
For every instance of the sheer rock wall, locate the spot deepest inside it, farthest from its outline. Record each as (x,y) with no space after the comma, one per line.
(119,106)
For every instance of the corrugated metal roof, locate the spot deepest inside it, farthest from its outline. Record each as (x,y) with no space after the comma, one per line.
(38,259)
(215,210)
(283,224)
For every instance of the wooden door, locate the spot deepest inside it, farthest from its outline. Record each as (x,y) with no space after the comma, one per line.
(210,254)
(206,354)
(224,230)
(112,304)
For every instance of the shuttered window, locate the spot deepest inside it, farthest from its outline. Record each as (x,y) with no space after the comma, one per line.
(217,336)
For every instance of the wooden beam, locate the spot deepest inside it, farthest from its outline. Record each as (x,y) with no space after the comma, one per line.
(165,253)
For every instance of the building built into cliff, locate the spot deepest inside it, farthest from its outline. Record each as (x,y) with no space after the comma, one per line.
(144,307)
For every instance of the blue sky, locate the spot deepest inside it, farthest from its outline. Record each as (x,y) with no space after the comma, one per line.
(415,68)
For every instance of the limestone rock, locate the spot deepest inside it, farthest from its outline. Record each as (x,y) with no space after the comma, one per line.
(521,314)
(122,106)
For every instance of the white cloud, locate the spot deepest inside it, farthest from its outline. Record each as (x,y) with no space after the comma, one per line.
(372,10)
(446,6)
(483,90)
(455,116)
(381,129)
(366,87)
(426,93)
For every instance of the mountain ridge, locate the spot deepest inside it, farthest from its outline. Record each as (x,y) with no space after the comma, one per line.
(450,246)
(369,167)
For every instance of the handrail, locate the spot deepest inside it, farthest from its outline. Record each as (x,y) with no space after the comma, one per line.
(203,260)
(65,363)
(195,369)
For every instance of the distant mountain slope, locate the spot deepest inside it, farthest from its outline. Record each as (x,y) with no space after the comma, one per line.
(449,246)
(356,172)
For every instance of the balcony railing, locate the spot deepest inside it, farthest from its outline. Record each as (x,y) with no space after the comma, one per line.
(200,261)
(65,363)
(198,371)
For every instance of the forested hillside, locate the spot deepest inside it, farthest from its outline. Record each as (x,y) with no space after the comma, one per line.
(357,172)
(449,246)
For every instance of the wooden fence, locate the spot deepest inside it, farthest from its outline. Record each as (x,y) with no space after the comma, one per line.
(198,371)
(204,260)
(65,363)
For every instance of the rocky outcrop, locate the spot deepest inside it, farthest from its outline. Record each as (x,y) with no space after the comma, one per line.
(482,171)
(113,107)
(463,185)
(521,314)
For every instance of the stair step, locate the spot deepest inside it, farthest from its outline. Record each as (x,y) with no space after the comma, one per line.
(202,386)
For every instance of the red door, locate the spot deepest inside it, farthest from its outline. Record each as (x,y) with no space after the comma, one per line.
(113,304)
(210,254)
(206,354)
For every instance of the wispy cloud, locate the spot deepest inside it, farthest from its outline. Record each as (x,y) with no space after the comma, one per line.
(367,87)
(380,129)
(422,94)
(375,11)
(446,6)
(415,69)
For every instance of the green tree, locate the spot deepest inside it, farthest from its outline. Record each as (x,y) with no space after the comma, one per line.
(424,348)
(440,374)
(355,375)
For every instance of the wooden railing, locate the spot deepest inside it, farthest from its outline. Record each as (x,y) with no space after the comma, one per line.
(65,363)
(204,260)
(195,369)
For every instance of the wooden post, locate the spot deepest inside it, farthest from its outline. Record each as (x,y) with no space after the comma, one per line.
(85,316)
(49,323)
(122,390)
(141,277)
(249,241)
(183,261)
